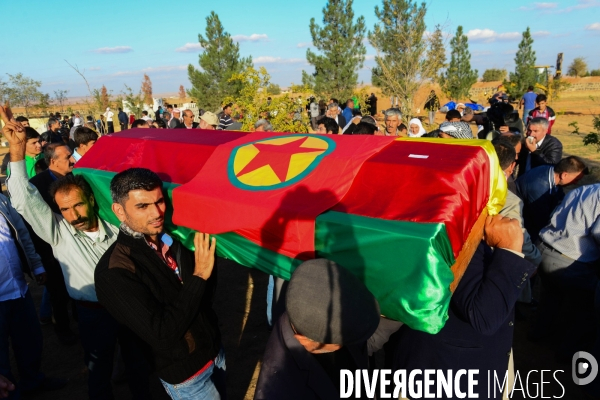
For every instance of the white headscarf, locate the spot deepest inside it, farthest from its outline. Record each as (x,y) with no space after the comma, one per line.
(416,121)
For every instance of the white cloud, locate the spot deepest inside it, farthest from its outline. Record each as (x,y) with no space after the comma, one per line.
(276,60)
(540,34)
(189,48)
(304,44)
(113,50)
(544,6)
(593,27)
(165,68)
(488,35)
(369,57)
(255,37)
(581,5)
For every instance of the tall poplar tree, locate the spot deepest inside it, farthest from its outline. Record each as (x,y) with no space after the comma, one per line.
(219,61)
(406,57)
(459,77)
(525,74)
(341,51)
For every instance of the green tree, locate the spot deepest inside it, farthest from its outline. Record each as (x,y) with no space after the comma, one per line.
(341,51)
(252,102)
(23,91)
(273,89)
(459,77)
(525,74)
(578,67)
(60,96)
(436,54)
(405,58)
(134,101)
(219,61)
(44,102)
(493,75)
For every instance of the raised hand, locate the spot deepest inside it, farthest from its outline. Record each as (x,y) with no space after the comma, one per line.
(13,131)
(204,255)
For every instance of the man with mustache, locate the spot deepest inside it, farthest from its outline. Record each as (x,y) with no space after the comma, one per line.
(78,238)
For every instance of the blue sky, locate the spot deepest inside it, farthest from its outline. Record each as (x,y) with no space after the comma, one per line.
(115,42)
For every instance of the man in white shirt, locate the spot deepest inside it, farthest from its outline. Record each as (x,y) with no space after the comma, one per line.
(109,120)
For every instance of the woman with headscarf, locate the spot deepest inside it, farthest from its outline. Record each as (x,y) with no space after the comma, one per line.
(415,128)
(455,130)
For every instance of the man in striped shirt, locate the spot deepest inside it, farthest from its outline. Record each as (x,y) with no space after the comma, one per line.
(225,119)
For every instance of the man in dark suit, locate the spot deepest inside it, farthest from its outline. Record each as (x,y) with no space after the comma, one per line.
(541,190)
(325,304)
(479,330)
(123,120)
(540,148)
(60,163)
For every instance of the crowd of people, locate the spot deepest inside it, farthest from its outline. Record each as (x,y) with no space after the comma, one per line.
(135,288)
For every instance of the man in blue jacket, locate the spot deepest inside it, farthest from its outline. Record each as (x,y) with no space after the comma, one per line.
(541,191)
(479,331)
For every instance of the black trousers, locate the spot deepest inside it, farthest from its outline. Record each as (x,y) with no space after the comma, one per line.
(111,127)
(123,127)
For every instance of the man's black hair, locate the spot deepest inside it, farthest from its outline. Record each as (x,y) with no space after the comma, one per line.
(571,164)
(52,121)
(364,128)
(335,100)
(541,97)
(226,106)
(402,128)
(31,133)
(512,139)
(330,125)
(139,122)
(450,115)
(161,123)
(21,118)
(506,153)
(69,182)
(84,135)
(132,179)
(120,109)
(530,88)
(144,112)
(356,112)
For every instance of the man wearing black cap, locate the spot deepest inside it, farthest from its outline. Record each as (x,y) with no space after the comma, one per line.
(332,323)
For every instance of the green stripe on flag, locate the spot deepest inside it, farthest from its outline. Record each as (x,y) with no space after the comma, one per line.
(406,265)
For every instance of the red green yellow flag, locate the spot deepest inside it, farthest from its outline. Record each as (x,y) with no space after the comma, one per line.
(270,189)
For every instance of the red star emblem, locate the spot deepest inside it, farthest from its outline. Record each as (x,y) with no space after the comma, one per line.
(277,157)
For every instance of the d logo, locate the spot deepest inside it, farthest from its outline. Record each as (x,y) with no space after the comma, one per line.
(590,365)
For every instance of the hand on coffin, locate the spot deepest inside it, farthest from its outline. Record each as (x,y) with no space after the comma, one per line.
(204,255)
(503,233)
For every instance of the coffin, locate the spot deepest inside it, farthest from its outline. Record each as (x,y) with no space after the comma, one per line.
(405,216)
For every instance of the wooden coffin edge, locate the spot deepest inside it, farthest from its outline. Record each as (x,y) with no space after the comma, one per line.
(468,249)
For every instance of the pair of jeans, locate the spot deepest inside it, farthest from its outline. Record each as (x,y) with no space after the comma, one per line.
(209,385)
(19,323)
(99,333)
(525,115)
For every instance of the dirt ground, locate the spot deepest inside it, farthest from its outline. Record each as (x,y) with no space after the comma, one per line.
(241,304)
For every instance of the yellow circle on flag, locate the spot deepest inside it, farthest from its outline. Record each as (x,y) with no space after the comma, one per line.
(277,162)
